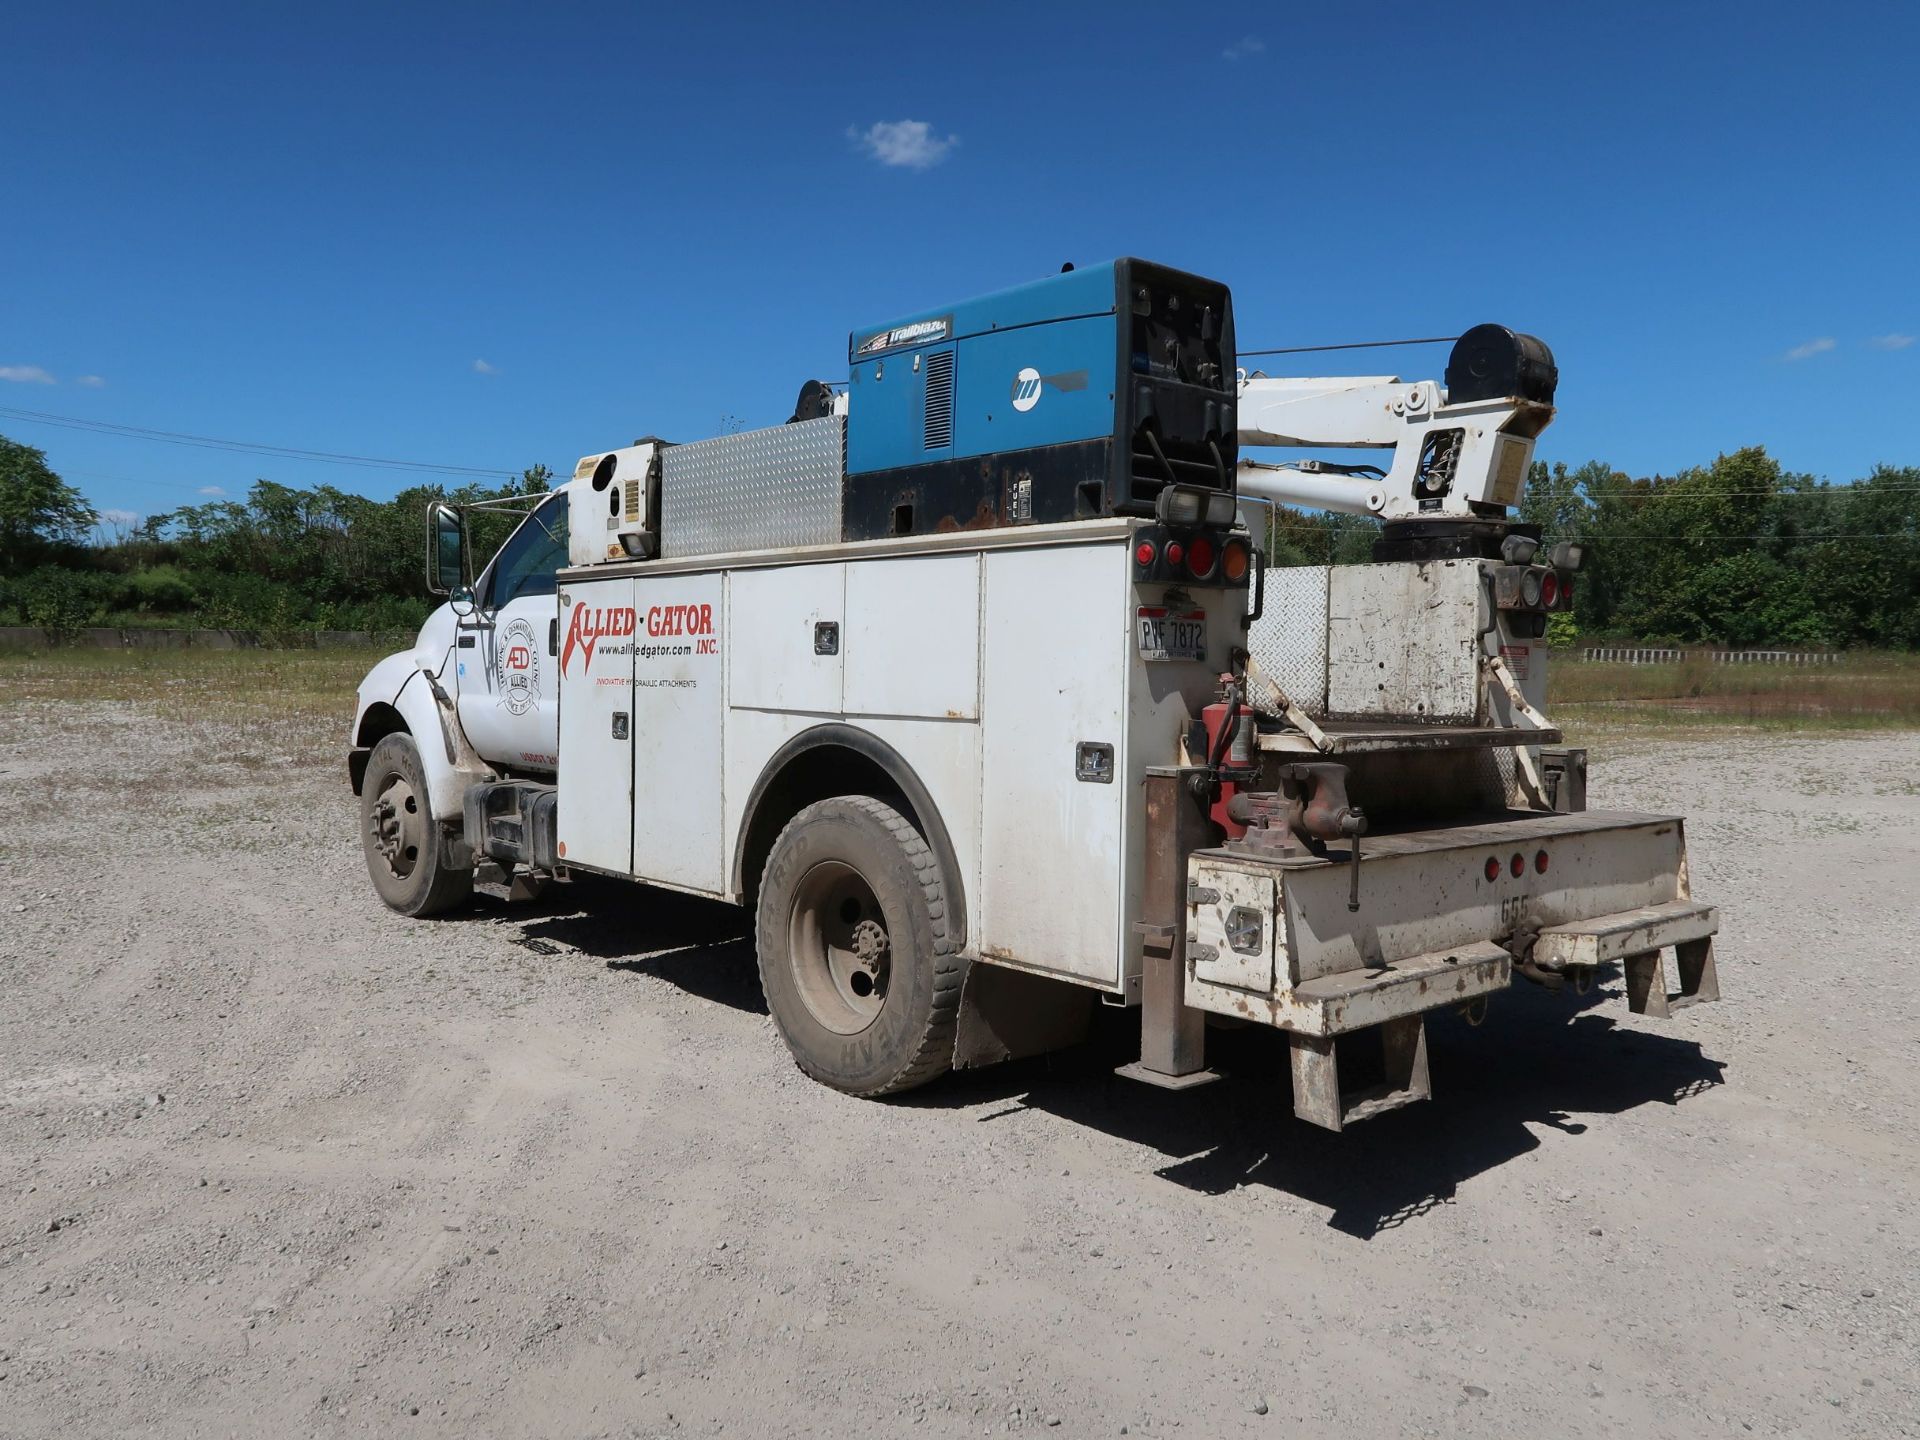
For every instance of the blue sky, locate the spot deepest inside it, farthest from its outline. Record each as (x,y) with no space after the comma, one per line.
(491,235)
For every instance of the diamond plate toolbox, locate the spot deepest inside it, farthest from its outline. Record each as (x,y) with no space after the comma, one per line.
(1289,640)
(759,490)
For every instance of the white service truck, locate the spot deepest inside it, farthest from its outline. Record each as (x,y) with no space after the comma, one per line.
(972,682)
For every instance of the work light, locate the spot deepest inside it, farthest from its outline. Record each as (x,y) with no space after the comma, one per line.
(1567,554)
(1518,549)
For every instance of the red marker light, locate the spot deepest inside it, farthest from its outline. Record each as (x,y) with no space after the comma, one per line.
(1176,552)
(1200,555)
(1143,553)
(1540,863)
(1517,865)
(1549,590)
(1493,867)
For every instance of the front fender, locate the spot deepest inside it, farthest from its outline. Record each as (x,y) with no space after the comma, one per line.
(380,687)
(402,684)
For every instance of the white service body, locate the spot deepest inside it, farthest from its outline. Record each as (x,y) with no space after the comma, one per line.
(984,662)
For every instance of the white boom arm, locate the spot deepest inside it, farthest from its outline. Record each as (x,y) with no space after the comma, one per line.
(1461,461)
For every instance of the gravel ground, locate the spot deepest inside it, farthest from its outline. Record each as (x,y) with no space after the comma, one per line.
(278,1162)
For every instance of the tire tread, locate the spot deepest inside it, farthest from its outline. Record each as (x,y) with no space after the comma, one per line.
(933,1055)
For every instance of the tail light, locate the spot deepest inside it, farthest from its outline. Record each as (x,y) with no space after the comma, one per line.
(1549,590)
(1493,867)
(1540,863)
(1234,559)
(1518,865)
(1184,556)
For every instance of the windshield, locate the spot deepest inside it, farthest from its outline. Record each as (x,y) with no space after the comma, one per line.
(527,562)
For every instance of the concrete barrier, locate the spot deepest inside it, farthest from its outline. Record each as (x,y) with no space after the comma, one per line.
(31,637)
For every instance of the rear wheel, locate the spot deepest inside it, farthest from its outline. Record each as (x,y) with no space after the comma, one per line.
(855,955)
(401,835)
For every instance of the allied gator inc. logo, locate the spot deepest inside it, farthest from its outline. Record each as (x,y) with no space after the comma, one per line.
(588,626)
(918,333)
(670,630)
(517,664)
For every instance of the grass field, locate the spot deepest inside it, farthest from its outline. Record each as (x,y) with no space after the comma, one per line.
(288,701)
(1860,691)
(295,695)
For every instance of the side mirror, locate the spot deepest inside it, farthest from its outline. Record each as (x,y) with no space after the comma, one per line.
(446,552)
(460,600)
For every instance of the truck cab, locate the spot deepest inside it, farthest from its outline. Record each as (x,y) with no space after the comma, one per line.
(477,694)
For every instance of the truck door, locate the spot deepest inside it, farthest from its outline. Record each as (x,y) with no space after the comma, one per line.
(509,661)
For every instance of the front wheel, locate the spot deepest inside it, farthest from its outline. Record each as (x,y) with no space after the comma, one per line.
(855,955)
(401,836)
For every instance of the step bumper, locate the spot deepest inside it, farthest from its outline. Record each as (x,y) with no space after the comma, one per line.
(1356,999)
(1608,939)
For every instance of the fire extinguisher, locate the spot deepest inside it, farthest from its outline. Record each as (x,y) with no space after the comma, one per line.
(1230,748)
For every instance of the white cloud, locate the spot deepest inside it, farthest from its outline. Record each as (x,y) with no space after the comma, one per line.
(909,144)
(92,382)
(26,375)
(1244,48)
(1810,349)
(481,367)
(119,517)
(214,490)
(1895,341)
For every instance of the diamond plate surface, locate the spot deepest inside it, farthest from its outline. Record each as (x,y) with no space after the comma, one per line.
(1289,641)
(759,490)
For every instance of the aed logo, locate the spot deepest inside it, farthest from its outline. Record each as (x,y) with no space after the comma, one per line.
(520,657)
(679,620)
(591,623)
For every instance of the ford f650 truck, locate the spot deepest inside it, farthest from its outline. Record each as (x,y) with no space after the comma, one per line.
(972,682)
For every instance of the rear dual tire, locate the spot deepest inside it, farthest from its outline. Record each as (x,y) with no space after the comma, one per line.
(856,958)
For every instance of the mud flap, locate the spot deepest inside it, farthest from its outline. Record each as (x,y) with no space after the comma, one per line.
(1007,1014)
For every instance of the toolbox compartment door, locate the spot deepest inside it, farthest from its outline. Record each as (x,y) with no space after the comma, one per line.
(1055,680)
(913,638)
(679,707)
(595,662)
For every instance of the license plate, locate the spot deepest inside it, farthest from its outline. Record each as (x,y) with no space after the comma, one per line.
(1172,634)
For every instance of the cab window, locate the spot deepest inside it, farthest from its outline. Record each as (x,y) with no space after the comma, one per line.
(526,563)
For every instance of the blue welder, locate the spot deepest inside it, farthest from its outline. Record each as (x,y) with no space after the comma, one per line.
(1078,396)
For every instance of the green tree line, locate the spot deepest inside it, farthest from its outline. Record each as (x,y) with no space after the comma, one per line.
(283,560)
(1738,552)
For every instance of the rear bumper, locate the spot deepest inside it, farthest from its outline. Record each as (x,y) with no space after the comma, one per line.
(1271,939)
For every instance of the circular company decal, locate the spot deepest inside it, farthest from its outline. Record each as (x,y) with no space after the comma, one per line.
(517,664)
(1026,389)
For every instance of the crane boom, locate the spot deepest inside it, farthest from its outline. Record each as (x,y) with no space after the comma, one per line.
(1459,451)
